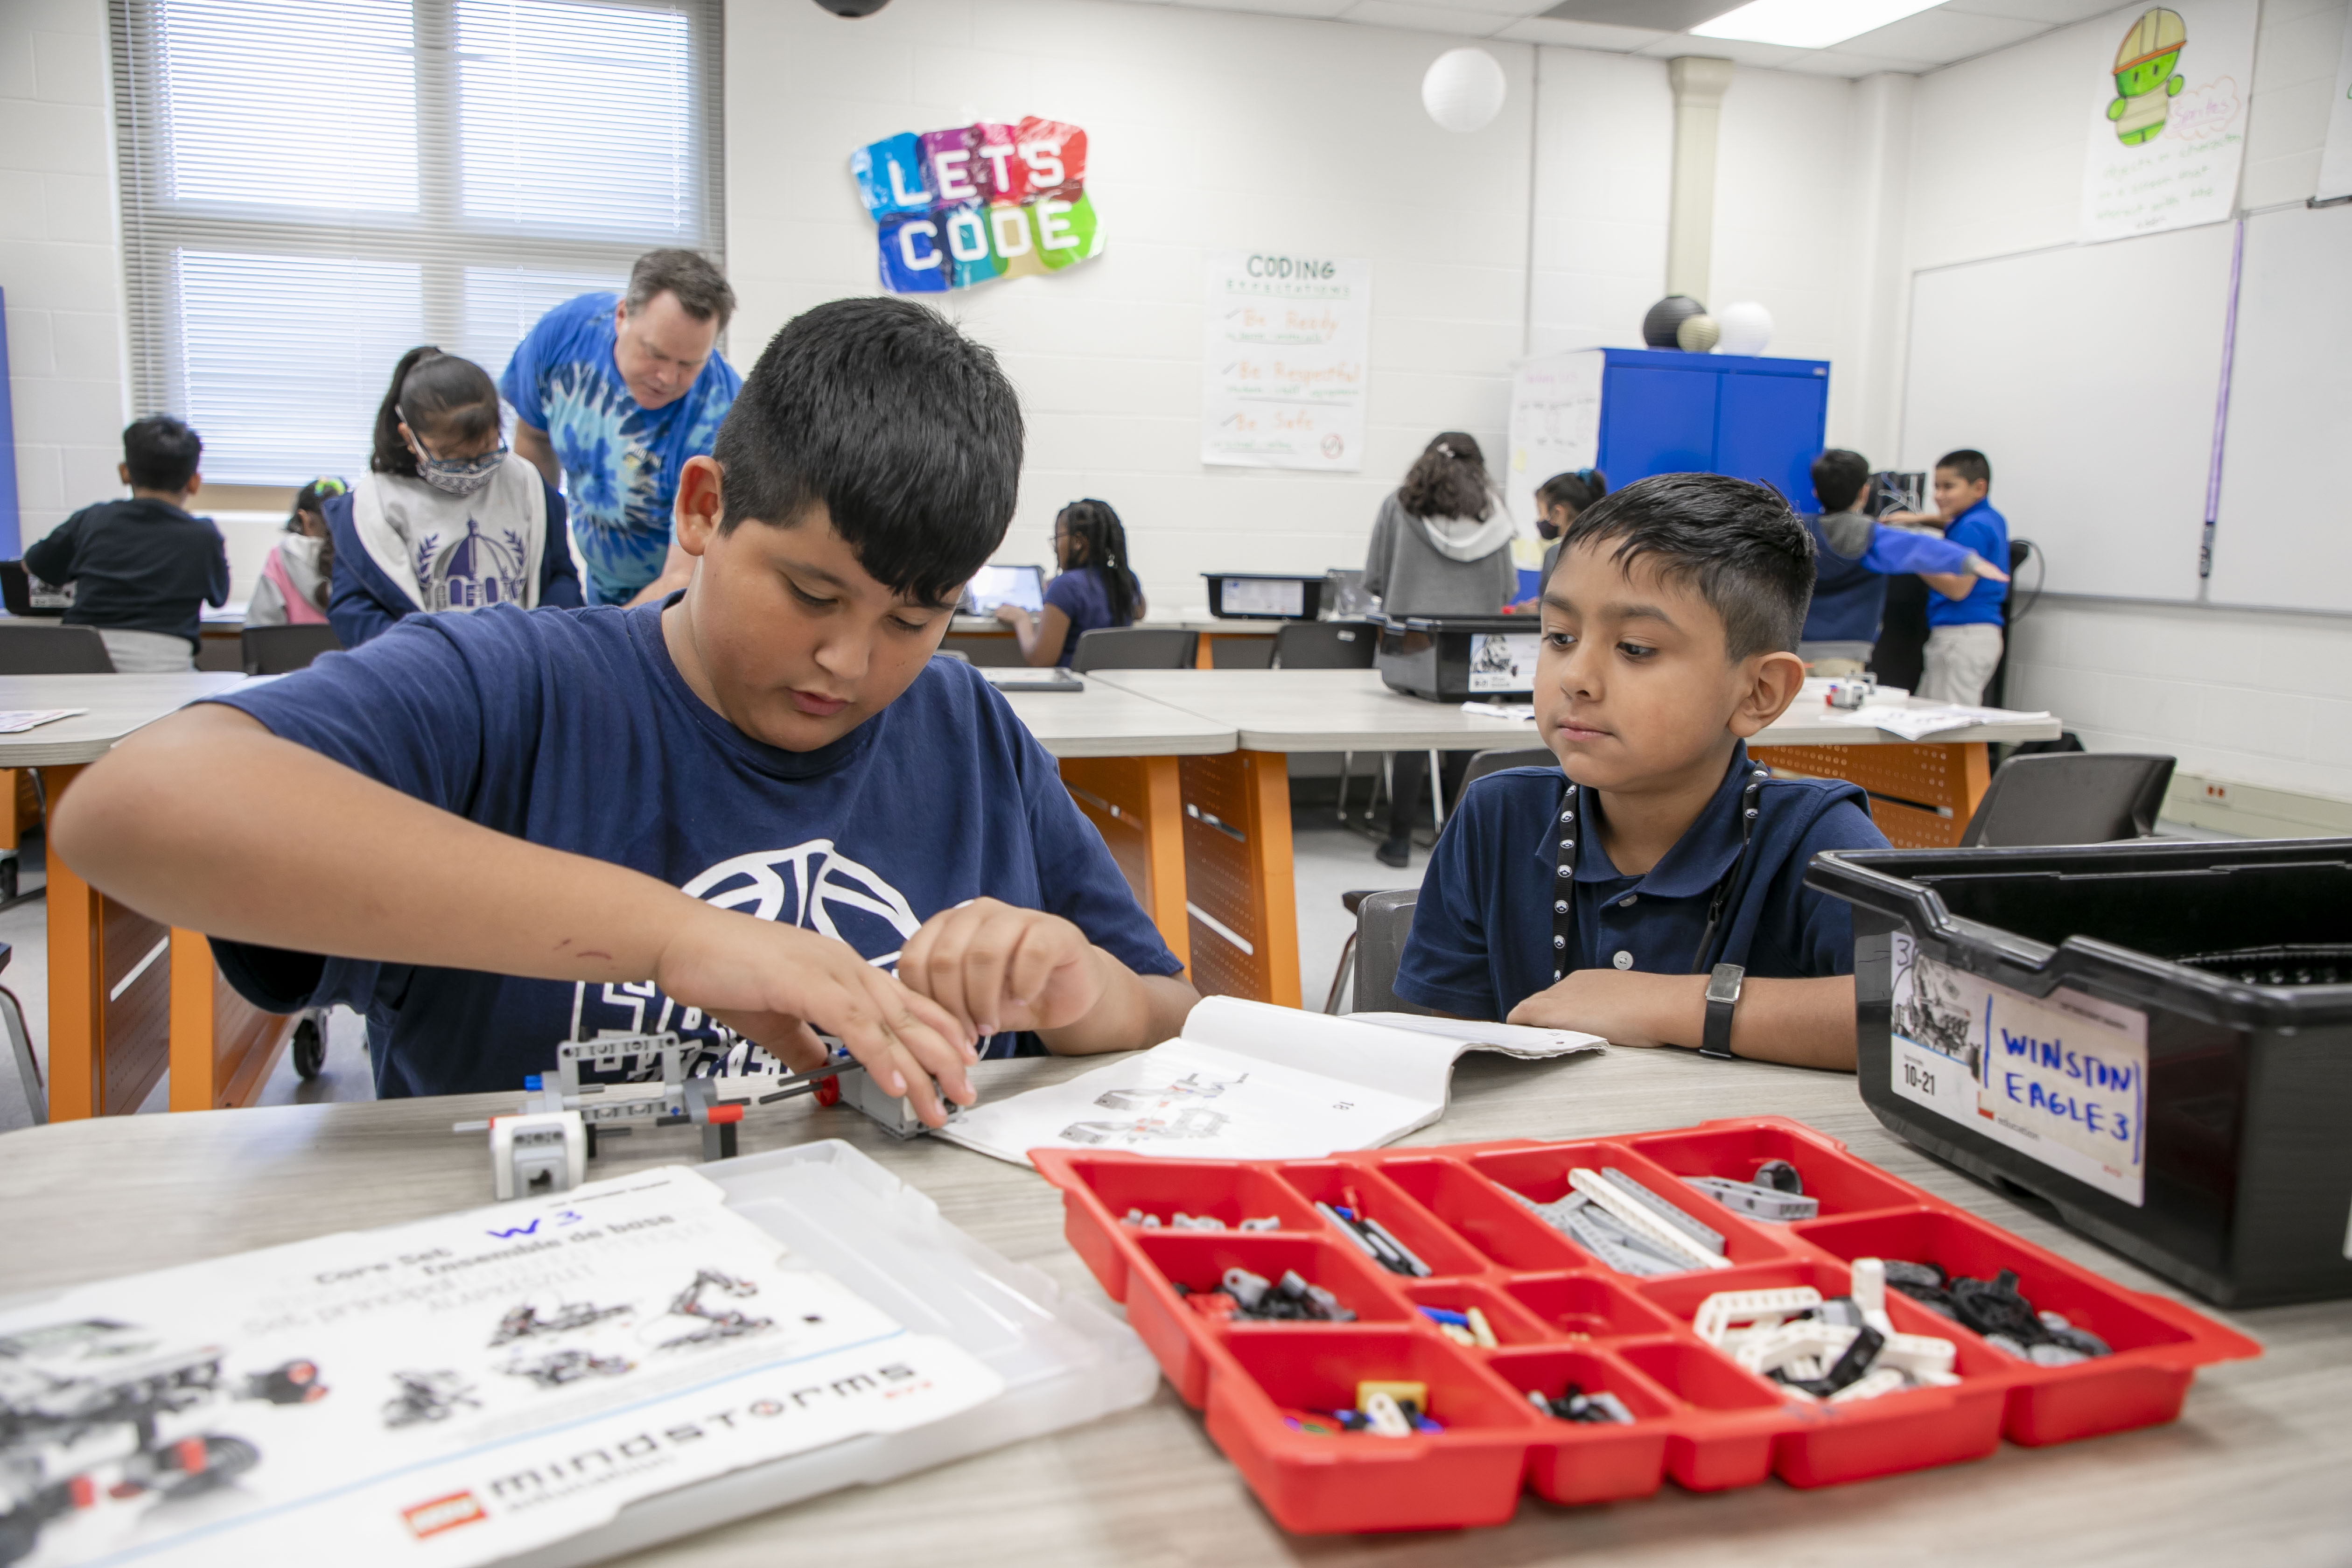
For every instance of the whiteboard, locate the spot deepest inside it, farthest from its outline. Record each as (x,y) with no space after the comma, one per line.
(2088,375)
(2284,532)
(1555,425)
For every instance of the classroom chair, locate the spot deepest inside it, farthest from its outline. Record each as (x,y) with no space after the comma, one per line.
(53,650)
(2070,798)
(1382,921)
(1136,648)
(282,651)
(28,1070)
(1324,645)
(1230,652)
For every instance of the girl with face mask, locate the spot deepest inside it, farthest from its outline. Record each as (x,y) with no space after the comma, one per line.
(446,518)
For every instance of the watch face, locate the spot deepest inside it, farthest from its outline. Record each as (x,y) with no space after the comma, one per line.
(1723,984)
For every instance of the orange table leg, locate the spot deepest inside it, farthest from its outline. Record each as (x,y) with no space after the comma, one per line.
(76,1000)
(223,1047)
(1237,876)
(1134,804)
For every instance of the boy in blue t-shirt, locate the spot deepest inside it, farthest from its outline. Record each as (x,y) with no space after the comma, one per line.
(1651,888)
(516,828)
(1964,622)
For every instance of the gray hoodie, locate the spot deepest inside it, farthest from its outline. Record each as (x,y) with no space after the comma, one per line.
(1414,576)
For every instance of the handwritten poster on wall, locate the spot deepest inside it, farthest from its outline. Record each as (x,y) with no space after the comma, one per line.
(1555,425)
(2165,103)
(1283,364)
(968,205)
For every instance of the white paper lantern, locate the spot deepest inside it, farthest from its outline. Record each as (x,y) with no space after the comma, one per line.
(1463,90)
(1746,328)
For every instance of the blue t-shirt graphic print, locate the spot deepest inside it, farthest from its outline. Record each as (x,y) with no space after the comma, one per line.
(620,461)
(572,730)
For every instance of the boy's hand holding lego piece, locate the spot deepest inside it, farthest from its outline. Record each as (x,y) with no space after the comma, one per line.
(997,967)
(777,985)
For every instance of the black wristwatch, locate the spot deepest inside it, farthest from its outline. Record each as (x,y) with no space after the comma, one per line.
(1722,997)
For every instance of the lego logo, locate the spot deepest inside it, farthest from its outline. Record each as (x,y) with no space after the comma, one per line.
(443,1513)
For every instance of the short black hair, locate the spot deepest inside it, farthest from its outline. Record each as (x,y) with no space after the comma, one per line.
(1969,463)
(906,429)
(1738,543)
(1574,490)
(700,289)
(1838,477)
(161,453)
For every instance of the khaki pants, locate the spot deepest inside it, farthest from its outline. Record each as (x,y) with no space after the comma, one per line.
(1960,660)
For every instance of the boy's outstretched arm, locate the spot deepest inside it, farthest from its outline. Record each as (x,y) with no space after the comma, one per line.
(998,966)
(207,820)
(1803,1023)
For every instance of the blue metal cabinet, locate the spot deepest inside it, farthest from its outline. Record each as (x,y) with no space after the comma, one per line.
(1665,412)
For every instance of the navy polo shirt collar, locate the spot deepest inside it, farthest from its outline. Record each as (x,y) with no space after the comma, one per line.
(1697,861)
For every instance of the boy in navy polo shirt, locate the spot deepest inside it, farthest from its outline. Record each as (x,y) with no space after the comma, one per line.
(1964,613)
(515,828)
(1629,892)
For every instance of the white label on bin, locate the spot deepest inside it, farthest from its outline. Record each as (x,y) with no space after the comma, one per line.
(2061,1080)
(1258,596)
(1504,661)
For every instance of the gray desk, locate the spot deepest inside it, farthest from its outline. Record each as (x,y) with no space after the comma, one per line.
(111,1041)
(1108,721)
(2253,1473)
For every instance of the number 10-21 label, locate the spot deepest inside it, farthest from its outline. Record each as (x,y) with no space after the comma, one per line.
(2061,1080)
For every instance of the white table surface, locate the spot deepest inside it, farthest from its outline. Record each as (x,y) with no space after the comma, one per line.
(1202,621)
(1106,720)
(118,704)
(2253,1472)
(1351,710)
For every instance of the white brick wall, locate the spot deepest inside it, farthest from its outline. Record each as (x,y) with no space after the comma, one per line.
(60,259)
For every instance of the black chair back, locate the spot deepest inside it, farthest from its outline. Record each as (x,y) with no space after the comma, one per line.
(282,651)
(1382,921)
(2070,798)
(1495,762)
(53,650)
(1325,645)
(1136,648)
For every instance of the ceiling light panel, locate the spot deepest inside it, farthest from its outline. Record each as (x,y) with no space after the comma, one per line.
(1807,24)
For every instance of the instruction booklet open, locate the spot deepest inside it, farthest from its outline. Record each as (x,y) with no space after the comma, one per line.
(1250,1081)
(451,1392)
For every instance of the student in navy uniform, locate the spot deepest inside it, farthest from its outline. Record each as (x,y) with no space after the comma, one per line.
(1603,894)
(747,804)
(1096,588)
(1964,620)
(445,517)
(141,568)
(1852,558)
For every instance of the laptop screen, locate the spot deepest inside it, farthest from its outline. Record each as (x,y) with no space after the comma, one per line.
(994,585)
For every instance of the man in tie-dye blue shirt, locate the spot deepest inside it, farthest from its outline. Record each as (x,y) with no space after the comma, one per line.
(615,393)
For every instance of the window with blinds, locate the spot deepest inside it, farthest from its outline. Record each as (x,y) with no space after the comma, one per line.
(310,187)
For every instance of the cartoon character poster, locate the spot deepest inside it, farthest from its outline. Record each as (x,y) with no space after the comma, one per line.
(2167,96)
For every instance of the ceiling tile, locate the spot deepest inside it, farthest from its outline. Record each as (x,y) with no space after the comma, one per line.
(2053,13)
(1425,18)
(1941,36)
(1737,50)
(1323,9)
(1582,35)
(1658,15)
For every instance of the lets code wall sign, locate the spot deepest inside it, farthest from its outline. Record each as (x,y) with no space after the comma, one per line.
(956,208)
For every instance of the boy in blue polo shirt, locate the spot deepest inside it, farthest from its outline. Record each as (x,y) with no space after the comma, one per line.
(759,803)
(1651,888)
(1852,558)
(1964,613)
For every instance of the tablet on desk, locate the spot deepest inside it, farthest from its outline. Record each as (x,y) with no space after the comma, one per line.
(1028,678)
(994,585)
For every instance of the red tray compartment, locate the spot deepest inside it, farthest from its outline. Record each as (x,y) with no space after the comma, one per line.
(1559,1316)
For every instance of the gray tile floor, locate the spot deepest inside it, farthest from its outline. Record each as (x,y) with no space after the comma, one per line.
(1328,860)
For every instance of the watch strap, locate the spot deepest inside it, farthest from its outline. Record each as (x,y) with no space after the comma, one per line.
(1722,997)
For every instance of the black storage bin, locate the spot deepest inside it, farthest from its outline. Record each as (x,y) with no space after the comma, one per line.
(1457,658)
(1311,596)
(2009,981)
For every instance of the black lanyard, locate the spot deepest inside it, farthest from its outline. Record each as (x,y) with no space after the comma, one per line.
(1563,902)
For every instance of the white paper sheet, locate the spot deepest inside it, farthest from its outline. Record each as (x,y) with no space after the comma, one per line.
(17,721)
(489,1382)
(1250,1081)
(1930,718)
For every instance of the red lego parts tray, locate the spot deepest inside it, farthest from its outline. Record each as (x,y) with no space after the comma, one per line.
(1537,1348)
